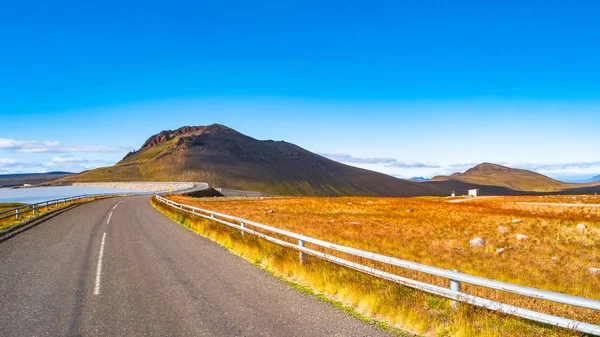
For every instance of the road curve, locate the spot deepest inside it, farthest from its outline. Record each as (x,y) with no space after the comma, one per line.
(97,270)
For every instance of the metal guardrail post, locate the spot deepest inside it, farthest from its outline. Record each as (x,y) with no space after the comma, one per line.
(33,210)
(243,226)
(212,215)
(454,286)
(16,214)
(301,254)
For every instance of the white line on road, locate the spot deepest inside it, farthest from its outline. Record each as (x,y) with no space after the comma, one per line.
(108,221)
(99,267)
(117,204)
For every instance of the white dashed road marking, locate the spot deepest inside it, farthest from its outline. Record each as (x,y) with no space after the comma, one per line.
(99,267)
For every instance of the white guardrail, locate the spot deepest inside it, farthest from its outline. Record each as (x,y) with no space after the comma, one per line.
(454,293)
(19,212)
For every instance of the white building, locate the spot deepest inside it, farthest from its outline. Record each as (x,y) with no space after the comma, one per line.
(474,192)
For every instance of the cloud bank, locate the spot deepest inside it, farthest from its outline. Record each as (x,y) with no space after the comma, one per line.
(566,171)
(34,146)
(387,161)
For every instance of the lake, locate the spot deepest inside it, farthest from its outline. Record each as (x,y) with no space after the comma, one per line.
(39,194)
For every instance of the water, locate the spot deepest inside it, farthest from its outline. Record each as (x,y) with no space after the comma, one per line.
(39,194)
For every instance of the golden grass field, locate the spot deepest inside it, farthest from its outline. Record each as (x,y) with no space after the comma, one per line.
(432,231)
(6,206)
(24,216)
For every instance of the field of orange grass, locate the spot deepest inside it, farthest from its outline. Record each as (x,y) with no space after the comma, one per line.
(566,199)
(432,231)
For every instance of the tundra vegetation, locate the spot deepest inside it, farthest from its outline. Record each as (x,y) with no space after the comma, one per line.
(561,248)
(26,215)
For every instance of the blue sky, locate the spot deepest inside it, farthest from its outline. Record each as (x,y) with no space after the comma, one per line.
(405,88)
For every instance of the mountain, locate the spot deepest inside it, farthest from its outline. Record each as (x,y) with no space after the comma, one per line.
(226,158)
(11,180)
(596,178)
(418,179)
(518,180)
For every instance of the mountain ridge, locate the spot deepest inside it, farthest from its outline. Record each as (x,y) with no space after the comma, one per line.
(489,174)
(19,179)
(224,157)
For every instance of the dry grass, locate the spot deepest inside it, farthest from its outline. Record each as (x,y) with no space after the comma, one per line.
(7,206)
(434,232)
(24,216)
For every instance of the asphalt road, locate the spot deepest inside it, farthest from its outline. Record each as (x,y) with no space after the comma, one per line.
(155,278)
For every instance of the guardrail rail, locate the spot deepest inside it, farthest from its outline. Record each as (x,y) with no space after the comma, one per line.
(33,209)
(455,278)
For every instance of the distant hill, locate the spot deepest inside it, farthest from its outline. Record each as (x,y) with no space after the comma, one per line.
(418,179)
(11,180)
(492,176)
(596,178)
(226,158)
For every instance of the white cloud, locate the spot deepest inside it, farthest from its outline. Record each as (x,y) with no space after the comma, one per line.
(7,162)
(34,146)
(388,161)
(9,165)
(66,159)
(346,158)
(68,163)
(412,164)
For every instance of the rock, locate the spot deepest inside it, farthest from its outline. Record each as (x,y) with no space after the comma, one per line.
(354,223)
(369,202)
(555,258)
(581,227)
(477,242)
(516,221)
(522,237)
(500,250)
(409,210)
(349,203)
(595,271)
(502,229)
(270,211)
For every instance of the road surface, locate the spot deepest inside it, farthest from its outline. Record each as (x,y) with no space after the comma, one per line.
(118,267)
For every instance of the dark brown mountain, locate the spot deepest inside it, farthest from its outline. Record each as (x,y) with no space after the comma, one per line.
(226,158)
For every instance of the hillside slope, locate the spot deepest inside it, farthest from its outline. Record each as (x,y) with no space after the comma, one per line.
(518,180)
(10,180)
(224,157)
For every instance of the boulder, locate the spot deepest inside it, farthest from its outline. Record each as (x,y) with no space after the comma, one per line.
(517,221)
(500,250)
(581,227)
(502,229)
(477,242)
(522,237)
(595,271)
